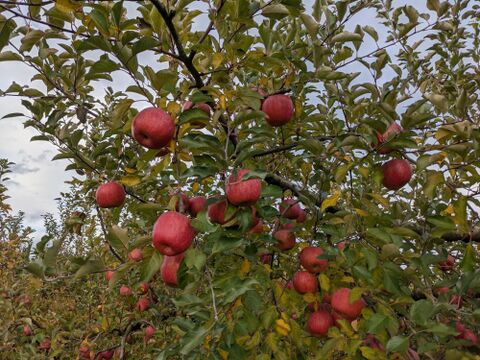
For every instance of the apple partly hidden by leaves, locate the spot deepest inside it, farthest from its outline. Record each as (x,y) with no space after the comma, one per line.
(305,282)
(109,275)
(143,304)
(106,355)
(27,330)
(172,233)
(217,211)
(392,130)
(309,259)
(342,304)
(149,332)
(185,202)
(187,105)
(169,269)
(265,258)
(84,352)
(285,239)
(278,109)
(448,264)
(243,192)
(110,195)
(290,209)
(153,128)
(45,345)
(143,288)
(319,322)
(135,255)
(197,204)
(396,173)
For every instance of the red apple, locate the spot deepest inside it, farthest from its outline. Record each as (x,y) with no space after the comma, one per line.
(27,331)
(172,233)
(105,355)
(197,204)
(327,298)
(336,318)
(135,255)
(149,332)
(456,300)
(396,173)
(169,269)
(460,328)
(260,92)
(285,239)
(217,211)
(45,345)
(256,229)
(84,352)
(393,130)
(290,209)
(143,288)
(289,285)
(469,335)
(319,322)
(278,109)
(442,290)
(310,261)
(266,258)
(110,195)
(143,304)
(202,106)
(153,128)
(125,290)
(341,245)
(448,264)
(243,192)
(109,275)
(342,304)
(302,216)
(305,282)
(185,202)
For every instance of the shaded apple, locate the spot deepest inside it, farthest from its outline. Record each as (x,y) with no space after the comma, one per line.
(172,233)
(302,216)
(197,204)
(319,322)
(45,345)
(110,195)
(396,174)
(341,245)
(290,209)
(143,288)
(109,275)
(169,269)
(27,330)
(135,255)
(149,332)
(309,259)
(106,354)
(84,352)
(305,282)
(266,258)
(285,239)
(218,210)
(143,304)
(243,192)
(153,128)
(448,264)
(278,109)
(256,229)
(393,130)
(125,290)
(185,202)
(187,105)
(371,341)
(342,304)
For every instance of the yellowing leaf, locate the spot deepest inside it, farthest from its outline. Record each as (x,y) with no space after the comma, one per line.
(361,212)
(105,324)
(245,267)
(173,108)
(331,200)
(195,187)
(309,297)
(223,354)
(217,60)
(66,6)
(130,170)
(131,180)
(348,279)
(282,328)
(324,282)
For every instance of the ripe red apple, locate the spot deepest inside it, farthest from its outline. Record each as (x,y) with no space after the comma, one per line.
(143,304)
(106,355)
(169,269)
(109,274)
(392,130)
(460,328)
(448,264)
(185,202)
(217,211)
(149,332)
(45,345)
(341,245)
(285,239)
(327,298)
(197,204)
(27,331)
(310,261)
(336,318)
(469,335)
(153,128)
(135,255)
(289,285)
(187,105)
(84,352)
(341,303)
(243,192)
(143,288)
(442,290)
(110,194)
(305,282)
(125,290)
(278,109)
(319,322)
(256,229)
(302,216)
(396,173)
(290,209)
(266,258)
(456,300)
(172,233)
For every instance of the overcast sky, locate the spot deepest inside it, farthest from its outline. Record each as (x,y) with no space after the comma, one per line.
(36,180)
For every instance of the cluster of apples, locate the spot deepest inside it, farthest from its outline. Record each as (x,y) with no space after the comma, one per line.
(396,172)
(334,307)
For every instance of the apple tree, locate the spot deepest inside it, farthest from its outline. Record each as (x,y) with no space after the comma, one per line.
(253,179)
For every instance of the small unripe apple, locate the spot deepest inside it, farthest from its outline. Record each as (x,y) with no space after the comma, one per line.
(309,259)
(149,332)
(448,264)
(217,211)
(393,130)
(153,128)
(169,269)
(135,255)
(185,202)
(243,192)
(290,209)
(278,109)
(143,304)
(342,304)
(109,275)
(125,290)
(110,195)
(143,288)
(197,204)
(396,174)
(172,233)
(285,239)
(319,322)
(27,331)
(305,282)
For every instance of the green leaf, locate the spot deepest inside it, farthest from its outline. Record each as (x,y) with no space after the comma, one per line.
(193,339)
(30,39)
(90,266)
(441,330)
(310,24)
(118,238)
(9,56)
(377,323)
(50,257)
(397,344)
(195,258)
(36,268)
(421,311)
(439,101)
(7,28)
(276,11)
(100,21)
(346,36)
(469,261)
(151,267)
